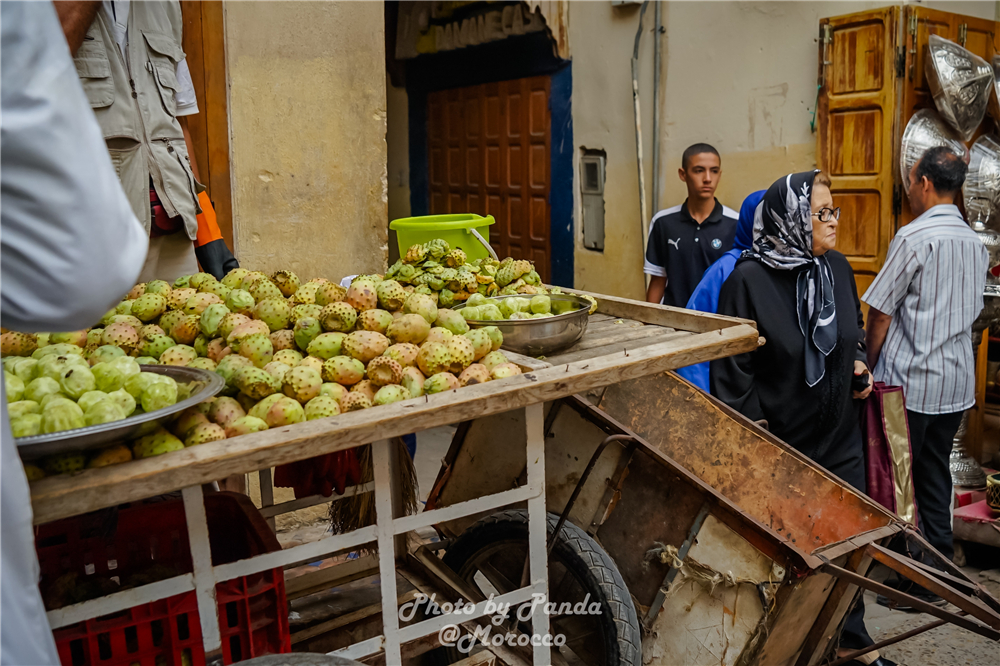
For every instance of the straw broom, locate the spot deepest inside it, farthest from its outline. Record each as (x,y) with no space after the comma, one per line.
(358,510)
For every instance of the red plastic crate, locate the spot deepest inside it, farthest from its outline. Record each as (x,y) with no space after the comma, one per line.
(253,617)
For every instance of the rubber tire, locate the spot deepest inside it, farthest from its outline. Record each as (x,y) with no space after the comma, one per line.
(580,553)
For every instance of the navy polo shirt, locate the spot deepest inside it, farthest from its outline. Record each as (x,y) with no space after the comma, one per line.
(680,249)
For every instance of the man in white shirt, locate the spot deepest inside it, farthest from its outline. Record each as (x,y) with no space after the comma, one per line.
(70,248)
(922,306)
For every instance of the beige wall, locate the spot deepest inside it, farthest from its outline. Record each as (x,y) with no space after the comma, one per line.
(397,138)
(308,120)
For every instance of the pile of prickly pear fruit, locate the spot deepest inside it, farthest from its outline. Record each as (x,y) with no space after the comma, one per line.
(289,350)
(479,308)
(437,270)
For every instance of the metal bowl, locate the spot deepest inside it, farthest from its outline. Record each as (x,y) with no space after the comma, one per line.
(960,82)
(537,337)
(981,190)
(926,130)
(95,437)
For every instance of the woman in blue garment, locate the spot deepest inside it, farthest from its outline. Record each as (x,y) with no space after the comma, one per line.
(705,297)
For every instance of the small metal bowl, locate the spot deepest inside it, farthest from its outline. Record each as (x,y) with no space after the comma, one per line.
(99,436)
(538,337)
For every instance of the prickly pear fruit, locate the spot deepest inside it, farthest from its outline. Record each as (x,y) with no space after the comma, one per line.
(105,353)
(481,343)
(284,339)
(354,401)
(321,407)
(89,399)
(433,358)
(148,307)
(361,296)
(113,455)
(211,319)
(75,381)
(245,426)
(233,278)
(204,433)
(217,349)
(343,370)
(20,408)
(305,331)
(178,355)
(439,334)
(156,444)
(121,335)
(256,383)
(28,425)
(240,301)
(333,390)
(104,411)
(200,345)
(496,336)
(365,345)
(186,421)
(367,387)
(228,368)
(328,293)
(33,472)
(197,304)
(13,343)
(289,357)
(422,305)
(403,353)
(339,317)
(390,394)
(263,289)
(61,414)
(224,411)
(287,281)
(250,278)
(493,359)
(326,345)
(125,319)
(245,330)
(413,380)
(260,409)
(155,345)
(258,349)
(125,307)
(124,400)
(442,381)
(65,463)
(230,322)
(384,370)
(217,288)
(374,320)
(504,370)
(462,353)
(160,287)
(137,291)
(415,254)
(391,295)
(452,321)
(302,383)
(474,374)
(14,386)
(158,396)
(304,310)
(178,297)
(285,411)
(411,328)
(198,280)
(25,368)
(312,362)
(275,312)
(137,383)
(78,338)
(150,330)
(277,370)
(306,294)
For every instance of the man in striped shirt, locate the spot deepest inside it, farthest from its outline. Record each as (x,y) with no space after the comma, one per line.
(922,306)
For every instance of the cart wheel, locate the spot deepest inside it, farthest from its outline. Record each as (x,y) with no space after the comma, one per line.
(491,556)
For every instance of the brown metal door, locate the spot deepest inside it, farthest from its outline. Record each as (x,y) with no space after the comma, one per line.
(855,139)
(489,150)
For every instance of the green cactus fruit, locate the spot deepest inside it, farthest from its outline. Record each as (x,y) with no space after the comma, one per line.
(234,278)
(362,296)
(245,425)
(160,287)
(202,363)
(452,321)
(284,411)
(94,337)
(374,320)
(124,400)
(256,383)
(229,366)
(25,369)
(22,407)
(259,410)
(353,402)
(148,307)
(240,301)
(113,455)
(493,359)
(313,362)
(287,281)
(211,319)
(332,390)
(504,370)
(121,335)
(305,331)
(289,357)
(326,345)
(27,425)
(329,293)
(217,349)
(91,398)
(217,288)
(343,370)
(277,370)
(230,323)
(496,336)
(391,295)
(411,328)
(61,414)
(155,345)
(365,345)
(258,349)
(75,381)
(137,384)
(65,463)
(439,334)
(442,381)
(404,353)
(321,407)
(481,343)
(105,353)
(302,383)
(474,374)
(383,371)
(104,411)
(179,355)
(177,299)
(198,280)
(390,394)
(14,387)
(125,307)
(338,317)
(304,310)
(200,345)
(461,353)
(433,358)
(264,288)
(156,444)
(283,339)
(275,312)
(413,381)
(159,395)
(204,433)
(245,330)
(421,304)
(437,248)
(197,304)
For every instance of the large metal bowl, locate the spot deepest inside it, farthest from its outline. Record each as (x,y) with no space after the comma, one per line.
(99,436)
(537,337)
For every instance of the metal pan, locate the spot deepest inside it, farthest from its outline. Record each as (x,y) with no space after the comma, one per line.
(99,436)
(537,337)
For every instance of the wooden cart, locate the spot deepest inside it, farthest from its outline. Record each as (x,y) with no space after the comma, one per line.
(626,340)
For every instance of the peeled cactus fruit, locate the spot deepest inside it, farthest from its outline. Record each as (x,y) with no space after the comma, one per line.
(256,383)
(75,381)
(275,312)
(245,425)
(114,455)
(403,353)
(422,305)
(24,368)
(17,344)
(224,411)
(105,353)
(61,414)
(23,407)
(178,355)
(284,339)
(338,317)
(452,321)
(258,349)
(504,370)
(412,328)
(148,307)
(474,374)
(302,383)
(289,357)
(65,463)
(28,425)
(390,394)
(384,370)
(260,409)
(121,335)
(321,407)
(343,370)
(136,384)
(374,320)
(14,387)
(332,390)
(433,358)
(442,381)
(353,402)
(365,345)
(285,411)
(204,433)
(124,400)
(89,399)
(156,444)
(158,396)
(391,295)
(326,345)
(105,411)
(493,359)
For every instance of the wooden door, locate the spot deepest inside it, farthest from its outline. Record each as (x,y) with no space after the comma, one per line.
(204,45)
(856,134)
(489,149)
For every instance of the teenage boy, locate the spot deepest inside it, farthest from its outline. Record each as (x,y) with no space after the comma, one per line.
(687,239)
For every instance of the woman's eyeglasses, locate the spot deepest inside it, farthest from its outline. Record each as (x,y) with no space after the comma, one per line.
(827,214)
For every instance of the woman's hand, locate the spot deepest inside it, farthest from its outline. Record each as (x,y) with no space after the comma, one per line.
(861,369)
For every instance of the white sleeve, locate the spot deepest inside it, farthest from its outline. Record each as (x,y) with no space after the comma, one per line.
(187,101)
(71,246)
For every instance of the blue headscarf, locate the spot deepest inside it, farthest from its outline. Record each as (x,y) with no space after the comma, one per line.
(705,297)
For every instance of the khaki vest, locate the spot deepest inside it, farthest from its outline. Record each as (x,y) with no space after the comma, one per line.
(136,113)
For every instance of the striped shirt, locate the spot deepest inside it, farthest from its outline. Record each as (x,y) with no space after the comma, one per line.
(932,285)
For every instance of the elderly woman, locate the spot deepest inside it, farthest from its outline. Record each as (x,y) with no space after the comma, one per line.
(802,295)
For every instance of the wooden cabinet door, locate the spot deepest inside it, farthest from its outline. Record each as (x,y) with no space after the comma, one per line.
(856,142)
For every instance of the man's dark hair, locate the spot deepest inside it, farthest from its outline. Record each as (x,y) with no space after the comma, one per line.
(943,168)
(697,149)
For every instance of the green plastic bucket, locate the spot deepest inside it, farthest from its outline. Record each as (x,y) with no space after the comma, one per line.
(465,230)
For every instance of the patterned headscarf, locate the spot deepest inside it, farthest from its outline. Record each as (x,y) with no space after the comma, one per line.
(782,239)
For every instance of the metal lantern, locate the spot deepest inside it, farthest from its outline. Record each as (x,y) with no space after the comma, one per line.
(960,82)
(994,106)
(981,191)
(965,471)
(924,131)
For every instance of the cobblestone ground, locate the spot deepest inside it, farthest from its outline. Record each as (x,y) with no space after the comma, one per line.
(947,645)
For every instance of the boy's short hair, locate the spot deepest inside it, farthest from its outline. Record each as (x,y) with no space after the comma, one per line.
(697,149)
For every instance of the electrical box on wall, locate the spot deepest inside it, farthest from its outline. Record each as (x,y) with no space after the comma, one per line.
(592,197)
